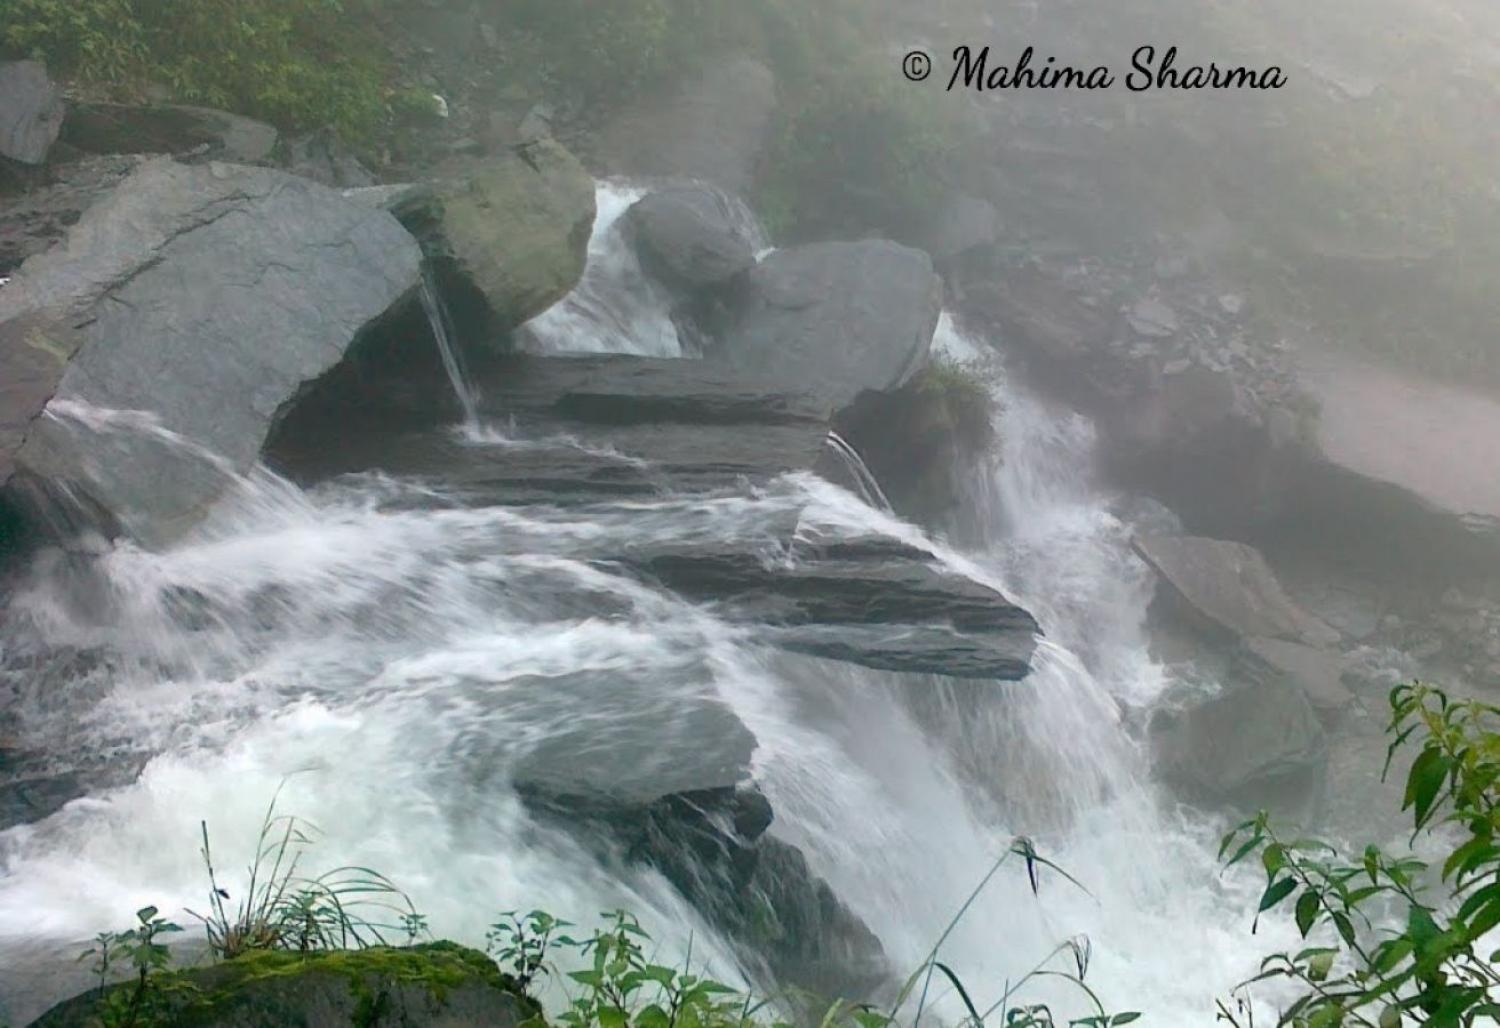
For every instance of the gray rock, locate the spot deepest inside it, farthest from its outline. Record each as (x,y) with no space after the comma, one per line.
(515,234)
(34,221)
(1250,747)
(1231,586)
(836,318)
(965,223)
(1151,317)
(207,298)
(31,111)
(1319,673)
(105,128)
(692,237)
(321,157)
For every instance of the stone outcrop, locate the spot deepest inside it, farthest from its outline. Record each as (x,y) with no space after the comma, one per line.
(436,985)
(31,112)
(693,237)
(835,318)
(510,240)
(201,301)
(1231,586)
(109,128)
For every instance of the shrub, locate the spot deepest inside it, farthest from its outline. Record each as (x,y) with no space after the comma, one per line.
(1389,953)
(297,63)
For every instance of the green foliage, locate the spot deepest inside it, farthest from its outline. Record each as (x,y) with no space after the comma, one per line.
(145,1000)
(293,62)
(964,394)
(282,909)
(1388,953)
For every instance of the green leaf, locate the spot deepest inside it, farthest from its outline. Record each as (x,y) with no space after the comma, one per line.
(1319,966)
(1124,1018)
(1390,1017)
(1424,782)
(1276,892)
(1308,905)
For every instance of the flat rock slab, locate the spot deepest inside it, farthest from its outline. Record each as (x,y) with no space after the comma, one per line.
(1438,442)
(1232,586)
(835,318)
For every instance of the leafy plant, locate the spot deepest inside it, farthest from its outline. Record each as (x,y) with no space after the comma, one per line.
(140,948)
(523,944)
(298,63)
(282,909)
(1393,954)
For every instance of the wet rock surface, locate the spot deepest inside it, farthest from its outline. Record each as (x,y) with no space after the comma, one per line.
(31,112)
(206,298)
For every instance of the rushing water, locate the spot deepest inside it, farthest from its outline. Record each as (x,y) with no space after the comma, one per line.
(401,657)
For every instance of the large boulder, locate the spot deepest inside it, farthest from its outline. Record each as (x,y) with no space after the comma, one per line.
(31,111)
(1230,585)
(512,239)
(110,128)
(203,300)
(1250,747)
(693,237)
(437,985)
(712,126)
(757,891)
(836,318)
(1433,441)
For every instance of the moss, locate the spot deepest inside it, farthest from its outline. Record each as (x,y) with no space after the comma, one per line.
(370,985)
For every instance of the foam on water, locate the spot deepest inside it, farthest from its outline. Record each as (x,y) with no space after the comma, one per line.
(401,660)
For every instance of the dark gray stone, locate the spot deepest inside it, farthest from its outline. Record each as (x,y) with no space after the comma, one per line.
(106,128)
(36,220)
(321,157)
(1231,586)
(689,237)
(206,297)
(836,318)
(31,111)
(1256,746)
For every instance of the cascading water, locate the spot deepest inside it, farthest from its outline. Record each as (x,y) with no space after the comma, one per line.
(617,308)
(453,364)
(404,658)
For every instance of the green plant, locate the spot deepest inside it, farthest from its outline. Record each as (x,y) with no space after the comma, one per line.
(621,986)
(1391,954)
(298,63)
(524,943)
(281,909)
(140,948)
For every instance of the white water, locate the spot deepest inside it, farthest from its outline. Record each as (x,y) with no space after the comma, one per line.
(401,661)
(458,376)
(616,308)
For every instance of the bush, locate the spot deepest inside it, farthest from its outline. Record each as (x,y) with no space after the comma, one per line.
(1388,952)
(297,63)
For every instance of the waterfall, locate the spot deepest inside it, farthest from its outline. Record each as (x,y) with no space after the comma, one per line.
(617,307)
(404,657)
(437,318)
(849,457)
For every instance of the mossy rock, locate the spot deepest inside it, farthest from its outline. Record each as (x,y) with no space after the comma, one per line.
(440,985)
(512,239)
